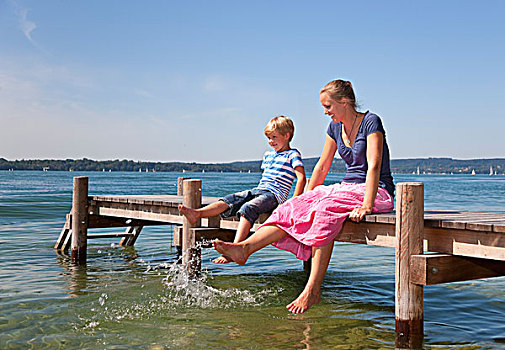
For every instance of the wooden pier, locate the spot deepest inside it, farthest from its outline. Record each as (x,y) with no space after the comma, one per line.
(432,247)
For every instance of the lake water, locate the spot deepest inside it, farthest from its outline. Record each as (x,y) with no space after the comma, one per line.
(137,298)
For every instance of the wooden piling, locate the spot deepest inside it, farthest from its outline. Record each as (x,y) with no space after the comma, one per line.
(180,192)
(79,220)
(409,240)
(192,198)
(180,188)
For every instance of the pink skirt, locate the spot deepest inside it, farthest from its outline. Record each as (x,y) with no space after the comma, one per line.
(315,218)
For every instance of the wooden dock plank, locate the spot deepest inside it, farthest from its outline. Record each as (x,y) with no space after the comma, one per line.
(370,233)
(433,218)
(475,234)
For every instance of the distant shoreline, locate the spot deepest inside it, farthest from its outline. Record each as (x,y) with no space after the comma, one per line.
(494,166)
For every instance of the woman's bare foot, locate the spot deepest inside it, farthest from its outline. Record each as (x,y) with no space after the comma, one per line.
(304,301)
(221,260)
(191,214)
(231,251)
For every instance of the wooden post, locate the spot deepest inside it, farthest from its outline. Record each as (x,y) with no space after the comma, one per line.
(180,192)
(79,220)
(192,198)
(307,265)
(409,240)
(180,181)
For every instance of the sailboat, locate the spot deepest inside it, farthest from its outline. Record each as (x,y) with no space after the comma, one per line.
(473,171)
(491,170)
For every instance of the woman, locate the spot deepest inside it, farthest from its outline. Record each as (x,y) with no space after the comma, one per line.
(308,224)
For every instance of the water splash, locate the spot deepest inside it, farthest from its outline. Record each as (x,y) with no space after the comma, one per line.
(176,293)
(183,290)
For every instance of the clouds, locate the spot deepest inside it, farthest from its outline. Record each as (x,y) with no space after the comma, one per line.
(26,25)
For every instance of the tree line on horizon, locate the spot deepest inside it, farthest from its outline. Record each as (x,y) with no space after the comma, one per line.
(399,166)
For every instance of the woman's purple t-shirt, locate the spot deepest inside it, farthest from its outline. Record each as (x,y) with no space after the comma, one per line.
(355,156)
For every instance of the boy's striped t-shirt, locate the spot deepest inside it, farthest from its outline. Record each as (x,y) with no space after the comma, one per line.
(279,172)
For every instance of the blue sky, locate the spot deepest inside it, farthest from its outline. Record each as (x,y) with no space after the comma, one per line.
(198,80)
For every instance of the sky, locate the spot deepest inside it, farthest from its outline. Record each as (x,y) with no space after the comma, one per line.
(196,81)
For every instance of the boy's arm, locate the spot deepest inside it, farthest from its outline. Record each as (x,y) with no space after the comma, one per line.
(300,180)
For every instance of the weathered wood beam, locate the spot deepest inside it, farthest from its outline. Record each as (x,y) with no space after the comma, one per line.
(79,219)
(64,234)
(191,255)
(109,235)
(478,244)
(180,183)
(409,234)
(428,269)
(97,221)
(177,236)
(210,233)
(371,233)
(133,233)
(159,214)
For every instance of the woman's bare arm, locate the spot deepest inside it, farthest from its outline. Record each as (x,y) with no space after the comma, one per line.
(323,164)
(374,160)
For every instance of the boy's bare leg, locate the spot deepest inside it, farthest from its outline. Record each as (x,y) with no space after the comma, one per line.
(213,209)
(311,294)
(243,229)
(240,252)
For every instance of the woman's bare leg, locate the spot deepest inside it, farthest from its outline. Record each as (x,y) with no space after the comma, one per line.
(311,294)
(213,209)
(240,252)
(243,229)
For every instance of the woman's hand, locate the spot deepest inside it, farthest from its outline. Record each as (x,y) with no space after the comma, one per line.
(359,213)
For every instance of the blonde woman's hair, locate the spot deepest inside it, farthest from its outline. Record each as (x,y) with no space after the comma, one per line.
(282,125)
(339,89)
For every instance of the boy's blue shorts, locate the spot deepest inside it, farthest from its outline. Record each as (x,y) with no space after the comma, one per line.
(249,204)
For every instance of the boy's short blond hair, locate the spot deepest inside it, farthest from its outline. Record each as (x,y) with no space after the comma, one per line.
(282,125)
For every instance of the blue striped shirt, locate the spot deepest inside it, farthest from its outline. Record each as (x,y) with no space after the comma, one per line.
(279,172)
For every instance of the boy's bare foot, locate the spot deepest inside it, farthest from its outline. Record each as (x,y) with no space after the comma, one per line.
(304,301)
(221,260)
(231,251)
(191,214)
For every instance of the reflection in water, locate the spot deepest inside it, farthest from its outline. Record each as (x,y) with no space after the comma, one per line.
(78,279)
(306,337)
(75,275)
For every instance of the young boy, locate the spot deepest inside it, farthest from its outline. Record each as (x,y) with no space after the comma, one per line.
(280,166)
